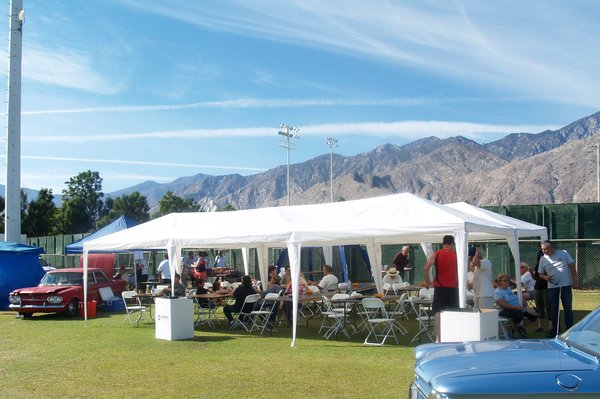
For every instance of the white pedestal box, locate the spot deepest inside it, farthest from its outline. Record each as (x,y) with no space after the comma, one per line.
(174,318)
(468,325)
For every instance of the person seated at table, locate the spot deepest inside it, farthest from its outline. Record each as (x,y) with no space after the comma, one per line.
(287,306)
(240,295)
(180,289)
(508,302)
(120,273)
(202,302)
(274,287)
(216,285)
(329,280)
(527,281)
(392,276)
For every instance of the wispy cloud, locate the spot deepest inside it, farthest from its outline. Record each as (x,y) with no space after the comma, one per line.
(243,103)
(509,44)
(66,68)
(146,163)
(404,129)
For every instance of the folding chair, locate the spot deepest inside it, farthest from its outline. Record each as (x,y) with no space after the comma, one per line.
(424,319)
(380,325)
(262,317)
(203,314)
(335,319)
(133,305)
(244,317)
(399,312)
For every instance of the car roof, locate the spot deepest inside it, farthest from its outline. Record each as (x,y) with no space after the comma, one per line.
(74,270)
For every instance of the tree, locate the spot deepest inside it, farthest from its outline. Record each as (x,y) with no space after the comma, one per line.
(39,219)
(227,208)
(2,206)
(170,203)
(134,206)
(82,203)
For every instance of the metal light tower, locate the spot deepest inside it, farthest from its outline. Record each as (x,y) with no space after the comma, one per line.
(597,170)
(12,226)
(289,132)
(331,143)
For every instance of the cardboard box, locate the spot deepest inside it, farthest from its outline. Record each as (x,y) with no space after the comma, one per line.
(468,325)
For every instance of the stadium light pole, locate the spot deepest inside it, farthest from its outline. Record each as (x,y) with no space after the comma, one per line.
(289,132)
(331,143)
(598,171)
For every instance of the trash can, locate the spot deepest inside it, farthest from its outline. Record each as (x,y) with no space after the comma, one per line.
(91,309)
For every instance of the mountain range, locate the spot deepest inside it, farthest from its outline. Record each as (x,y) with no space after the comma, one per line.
(550,167)
(554,166)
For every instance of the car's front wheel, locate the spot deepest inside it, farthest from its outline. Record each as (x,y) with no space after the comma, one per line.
(73,309)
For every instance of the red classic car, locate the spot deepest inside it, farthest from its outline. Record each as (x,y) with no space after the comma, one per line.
(61,290)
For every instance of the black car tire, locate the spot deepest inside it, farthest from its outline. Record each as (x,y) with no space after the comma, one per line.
(73,309)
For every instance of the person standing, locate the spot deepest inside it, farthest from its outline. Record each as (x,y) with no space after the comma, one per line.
(558,269)
(220,260)
(401,261)
(164,271)
(141,268)
(540,293)
(483,286)
(445,284)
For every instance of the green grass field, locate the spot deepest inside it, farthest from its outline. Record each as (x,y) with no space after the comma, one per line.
(55,357)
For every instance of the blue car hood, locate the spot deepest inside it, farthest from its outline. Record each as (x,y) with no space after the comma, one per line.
(497,357)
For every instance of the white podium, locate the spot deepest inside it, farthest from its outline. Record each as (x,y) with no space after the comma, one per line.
(174,318)
(468,325)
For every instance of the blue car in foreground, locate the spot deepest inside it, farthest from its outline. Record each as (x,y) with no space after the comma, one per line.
(566,367)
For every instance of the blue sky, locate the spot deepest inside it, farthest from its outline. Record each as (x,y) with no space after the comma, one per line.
(154,90)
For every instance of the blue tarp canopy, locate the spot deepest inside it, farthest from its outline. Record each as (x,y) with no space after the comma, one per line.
(121,223)
(19,268)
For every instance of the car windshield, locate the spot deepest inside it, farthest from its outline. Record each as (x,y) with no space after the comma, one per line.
(585,335)
(62,278)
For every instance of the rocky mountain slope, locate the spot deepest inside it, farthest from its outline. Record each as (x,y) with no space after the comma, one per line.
(521,168)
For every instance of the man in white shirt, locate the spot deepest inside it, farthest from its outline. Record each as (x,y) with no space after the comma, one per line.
(329,280)
(527,281)
(483,287)
(164,271)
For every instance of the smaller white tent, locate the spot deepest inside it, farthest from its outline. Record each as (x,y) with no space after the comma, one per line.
(520,229)
(399,218)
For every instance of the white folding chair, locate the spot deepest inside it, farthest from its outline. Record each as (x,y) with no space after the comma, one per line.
(133,305)
(244,317)
(380,325)
(424,319)
(262,317)
(335,319)
(399,312)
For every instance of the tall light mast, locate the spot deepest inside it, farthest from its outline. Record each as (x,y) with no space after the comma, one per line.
(289,132)
(12,225)
(331,143)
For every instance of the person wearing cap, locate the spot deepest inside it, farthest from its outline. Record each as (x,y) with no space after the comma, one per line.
(483,287)
(401,261)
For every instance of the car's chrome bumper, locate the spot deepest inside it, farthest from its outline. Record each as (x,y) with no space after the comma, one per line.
(39,308)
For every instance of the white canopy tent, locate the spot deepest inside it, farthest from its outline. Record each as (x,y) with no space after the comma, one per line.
(520,229)
(399,218)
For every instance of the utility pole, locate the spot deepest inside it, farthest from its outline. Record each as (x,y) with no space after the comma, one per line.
(12,225)
(289,132)
(331,143)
